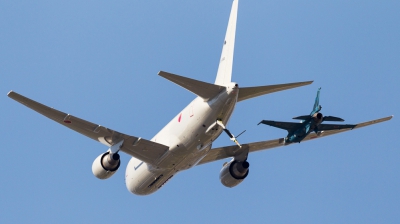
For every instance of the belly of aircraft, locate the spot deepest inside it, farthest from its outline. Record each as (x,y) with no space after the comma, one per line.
(184,153)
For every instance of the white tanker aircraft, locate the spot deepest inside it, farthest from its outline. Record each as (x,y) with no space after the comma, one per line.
(186,140)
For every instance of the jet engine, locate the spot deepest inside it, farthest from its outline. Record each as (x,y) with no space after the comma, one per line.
(318,118)
(233,173)
(105,165)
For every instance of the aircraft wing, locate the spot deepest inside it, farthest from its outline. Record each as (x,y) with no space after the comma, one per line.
(231,151)
(289,126)
(326,127)
(145,150)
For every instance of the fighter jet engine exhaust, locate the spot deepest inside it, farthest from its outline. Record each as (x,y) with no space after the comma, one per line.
(318,118)
(233,173)
(105,165)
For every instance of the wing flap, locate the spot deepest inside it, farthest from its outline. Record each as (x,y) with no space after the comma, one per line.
(229,151)
(145,150)
(233,150)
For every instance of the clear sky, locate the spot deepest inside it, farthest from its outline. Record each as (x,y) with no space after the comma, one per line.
(98,60)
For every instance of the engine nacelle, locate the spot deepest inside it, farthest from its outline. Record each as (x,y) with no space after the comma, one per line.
(233,173)
(105,165)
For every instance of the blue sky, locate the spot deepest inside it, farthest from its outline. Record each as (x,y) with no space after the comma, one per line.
(98,60)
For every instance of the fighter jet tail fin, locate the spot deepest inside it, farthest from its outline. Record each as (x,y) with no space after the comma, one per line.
(316,107)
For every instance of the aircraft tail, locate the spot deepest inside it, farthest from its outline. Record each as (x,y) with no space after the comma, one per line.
(224,74)
(204,90)
(250,92)
(316,107)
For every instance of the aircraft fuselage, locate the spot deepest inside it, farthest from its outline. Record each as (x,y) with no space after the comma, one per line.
(299,134)
(189,137)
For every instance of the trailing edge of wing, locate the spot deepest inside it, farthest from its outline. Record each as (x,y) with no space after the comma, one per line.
(231,151)
(250,92)
(145,150)
(202,89)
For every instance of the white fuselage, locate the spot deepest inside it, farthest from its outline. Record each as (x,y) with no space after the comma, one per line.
(187,139)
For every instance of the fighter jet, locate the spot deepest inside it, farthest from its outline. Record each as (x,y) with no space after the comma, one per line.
(309,123)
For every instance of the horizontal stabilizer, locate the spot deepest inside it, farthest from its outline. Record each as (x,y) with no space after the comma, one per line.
(332,118)
(202,89)
(304,117)
(250,92)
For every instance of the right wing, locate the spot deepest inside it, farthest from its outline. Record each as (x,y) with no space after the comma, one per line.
(231,151)
(145,150)
(327,127)
(303,117)
(332,118)
(289,126)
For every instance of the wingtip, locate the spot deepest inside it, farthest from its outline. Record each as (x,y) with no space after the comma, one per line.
(8,94)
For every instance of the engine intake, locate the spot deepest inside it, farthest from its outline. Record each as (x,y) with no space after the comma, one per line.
(233,173)
(105,165)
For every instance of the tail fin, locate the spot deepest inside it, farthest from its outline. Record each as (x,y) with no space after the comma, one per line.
(224,74)
(316,107)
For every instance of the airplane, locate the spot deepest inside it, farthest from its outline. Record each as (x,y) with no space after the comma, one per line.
(309,123)
(186,141)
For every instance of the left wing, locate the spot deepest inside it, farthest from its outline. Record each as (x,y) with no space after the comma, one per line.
(145,150)
(289,126)
(231,151)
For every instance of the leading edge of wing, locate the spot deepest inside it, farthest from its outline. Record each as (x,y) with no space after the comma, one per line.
(145,150)
(231,151)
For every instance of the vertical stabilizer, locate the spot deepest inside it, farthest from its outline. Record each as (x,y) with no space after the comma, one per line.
(225,64)
(316,107)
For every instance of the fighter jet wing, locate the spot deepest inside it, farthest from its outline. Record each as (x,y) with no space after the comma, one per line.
(289,126)
(326,127)
(145,150)
(231,151)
